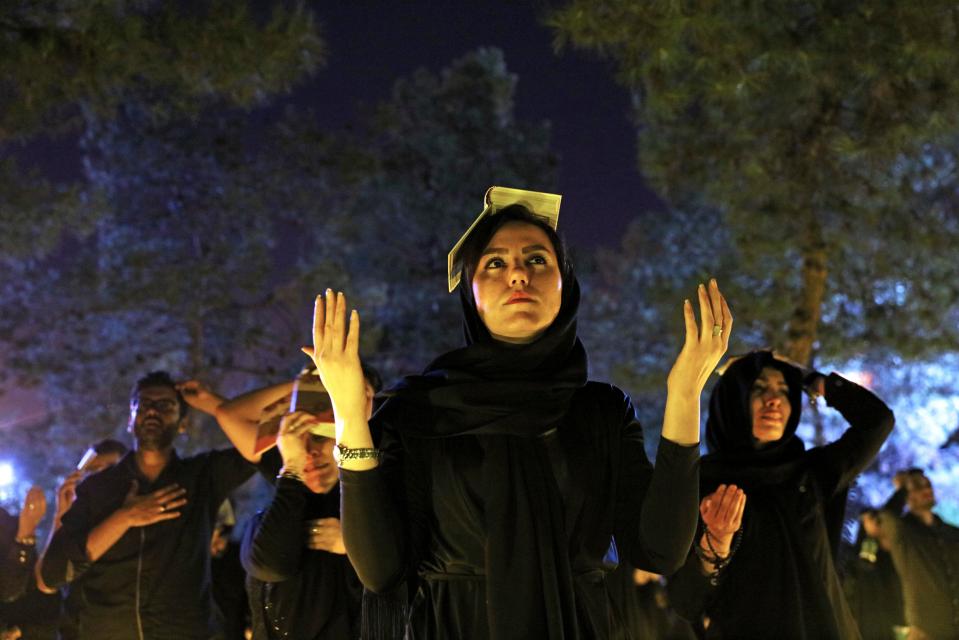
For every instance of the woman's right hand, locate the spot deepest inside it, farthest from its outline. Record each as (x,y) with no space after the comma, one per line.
(337,357)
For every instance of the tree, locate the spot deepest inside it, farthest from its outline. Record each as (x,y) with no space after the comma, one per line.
(162,258)
(388,201)
(63,61)
(815,129)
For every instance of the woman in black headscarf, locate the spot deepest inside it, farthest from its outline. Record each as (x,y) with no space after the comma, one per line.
(775,576)
(507,484)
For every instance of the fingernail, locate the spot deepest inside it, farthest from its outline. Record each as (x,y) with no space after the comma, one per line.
(702,287)
(686,302)
(329,291)
(339,294)
(713,281)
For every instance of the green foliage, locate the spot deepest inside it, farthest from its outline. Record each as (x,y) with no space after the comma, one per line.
(60,60)
(814,128)
(388,201)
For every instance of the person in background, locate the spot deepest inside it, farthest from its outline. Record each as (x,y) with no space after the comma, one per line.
(763,564)
(228,578)
(871,583)
(18,554)
(139,532)
(300,583)
(44,612)
(925,552)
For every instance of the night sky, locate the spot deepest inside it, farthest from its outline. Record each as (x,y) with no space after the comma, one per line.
(370,45)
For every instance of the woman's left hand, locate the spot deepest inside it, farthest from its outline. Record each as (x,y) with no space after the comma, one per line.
(705,344)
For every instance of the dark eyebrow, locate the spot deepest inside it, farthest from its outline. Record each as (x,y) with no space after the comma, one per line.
(529,249)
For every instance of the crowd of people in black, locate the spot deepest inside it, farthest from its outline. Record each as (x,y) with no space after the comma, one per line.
(498,494)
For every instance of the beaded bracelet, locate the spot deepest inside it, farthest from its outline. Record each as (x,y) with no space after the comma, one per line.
(719,562)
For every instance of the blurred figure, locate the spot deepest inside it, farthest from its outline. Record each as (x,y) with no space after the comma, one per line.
(18,544)
(39,611)
(871,583)
(925,552)
(300,584)
(18,554)
(640,599)
(42,613)
(139,532)
(228,578)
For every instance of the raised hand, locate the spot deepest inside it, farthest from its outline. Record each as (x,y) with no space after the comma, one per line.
(67,493)
(34,508)
(722,513)
(705,344)
(325,534)
(200,396)
(336,355)
(162,504)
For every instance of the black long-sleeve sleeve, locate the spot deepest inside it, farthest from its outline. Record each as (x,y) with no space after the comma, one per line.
(65,558)
(657,508)
(273,545)
(870,423)
(383,510)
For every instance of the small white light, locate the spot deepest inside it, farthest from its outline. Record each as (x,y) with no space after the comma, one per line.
(6,474)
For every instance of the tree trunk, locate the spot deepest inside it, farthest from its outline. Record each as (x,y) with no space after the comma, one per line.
(804,323)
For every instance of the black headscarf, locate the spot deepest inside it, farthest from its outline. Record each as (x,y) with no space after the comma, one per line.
(733,454)
(510,395)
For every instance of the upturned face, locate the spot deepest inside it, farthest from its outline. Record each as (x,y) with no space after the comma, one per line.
(155,418)
(517,284)
(769,405)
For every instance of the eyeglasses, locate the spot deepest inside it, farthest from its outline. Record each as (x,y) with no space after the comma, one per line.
(165,405)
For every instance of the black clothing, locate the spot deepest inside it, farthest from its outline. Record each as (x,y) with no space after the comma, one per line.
(927,560)
(782,580)
(154,582)
(228,580)
(873,591)
(509,485)
(612,502)
(16,560)
(36,614)
(644,609)
(295,592)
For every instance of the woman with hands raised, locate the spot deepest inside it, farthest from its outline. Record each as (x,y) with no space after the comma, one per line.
(507,484)
(763,563)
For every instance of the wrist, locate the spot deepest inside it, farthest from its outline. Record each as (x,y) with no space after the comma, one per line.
(293,472)
(28,539)
(26,532)
(719,544)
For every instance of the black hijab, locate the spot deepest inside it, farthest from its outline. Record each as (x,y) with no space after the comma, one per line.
(511,396)
(733,454)
(772,544)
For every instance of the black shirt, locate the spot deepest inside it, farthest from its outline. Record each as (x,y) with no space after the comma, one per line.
(154,582)
(295,592)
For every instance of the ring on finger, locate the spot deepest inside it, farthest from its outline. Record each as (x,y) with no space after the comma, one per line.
(717,330)
(162,508)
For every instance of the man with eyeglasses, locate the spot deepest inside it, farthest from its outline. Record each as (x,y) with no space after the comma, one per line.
(925,552)
(139,532)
